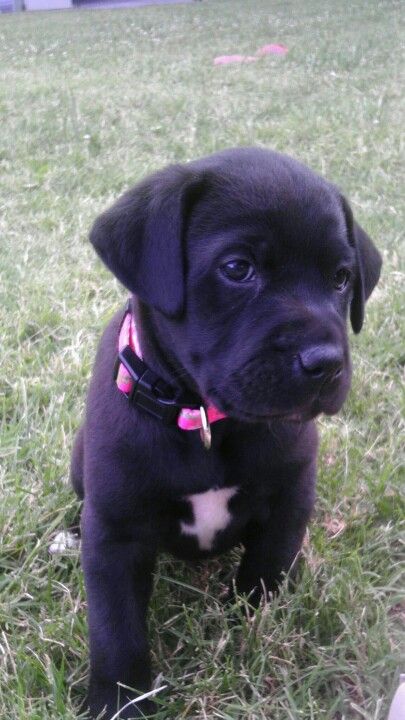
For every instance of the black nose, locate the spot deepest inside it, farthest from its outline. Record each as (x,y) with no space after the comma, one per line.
(322,362)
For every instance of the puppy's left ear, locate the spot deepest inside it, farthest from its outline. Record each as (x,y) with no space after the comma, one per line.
(369,263)
(141,237)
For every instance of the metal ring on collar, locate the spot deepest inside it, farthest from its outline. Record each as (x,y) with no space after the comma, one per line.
(205,432)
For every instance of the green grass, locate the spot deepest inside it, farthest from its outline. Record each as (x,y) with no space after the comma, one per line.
(89,103)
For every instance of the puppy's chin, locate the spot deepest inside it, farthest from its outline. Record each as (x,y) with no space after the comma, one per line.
(330,408)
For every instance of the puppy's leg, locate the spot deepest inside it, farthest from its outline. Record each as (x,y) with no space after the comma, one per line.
(118,576)
(271,547)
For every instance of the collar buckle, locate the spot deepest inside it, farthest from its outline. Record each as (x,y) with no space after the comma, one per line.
(146,387)
(149,391)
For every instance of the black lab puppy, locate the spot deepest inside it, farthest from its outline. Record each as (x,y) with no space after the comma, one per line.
(242,269)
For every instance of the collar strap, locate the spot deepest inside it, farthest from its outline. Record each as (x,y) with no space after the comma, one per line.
(145,389)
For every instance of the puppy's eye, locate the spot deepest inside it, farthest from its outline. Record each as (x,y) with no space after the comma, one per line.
(341,278)
(238,270)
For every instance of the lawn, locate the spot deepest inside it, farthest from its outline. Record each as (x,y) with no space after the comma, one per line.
(90,101)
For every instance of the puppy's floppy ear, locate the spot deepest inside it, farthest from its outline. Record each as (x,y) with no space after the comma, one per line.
(140,238)
(368,269)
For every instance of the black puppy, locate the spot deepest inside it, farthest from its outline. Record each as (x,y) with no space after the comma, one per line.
(242,269)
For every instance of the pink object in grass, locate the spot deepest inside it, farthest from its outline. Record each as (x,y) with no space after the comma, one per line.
(228,59)
(272,49)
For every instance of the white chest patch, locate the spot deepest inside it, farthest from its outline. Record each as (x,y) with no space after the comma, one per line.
(211,514)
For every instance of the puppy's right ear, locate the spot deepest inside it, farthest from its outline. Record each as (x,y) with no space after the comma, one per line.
(368,269)
(140,238)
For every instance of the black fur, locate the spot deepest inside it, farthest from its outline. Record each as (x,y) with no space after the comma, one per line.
(270,351)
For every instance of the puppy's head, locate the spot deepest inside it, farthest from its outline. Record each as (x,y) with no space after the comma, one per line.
(251,263)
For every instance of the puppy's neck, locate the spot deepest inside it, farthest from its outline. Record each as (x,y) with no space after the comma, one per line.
(158,349)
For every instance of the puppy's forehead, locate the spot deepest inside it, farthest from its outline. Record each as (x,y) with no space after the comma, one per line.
(258,192)
(256,172)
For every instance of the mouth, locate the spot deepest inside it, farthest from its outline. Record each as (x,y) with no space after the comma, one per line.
(296,416)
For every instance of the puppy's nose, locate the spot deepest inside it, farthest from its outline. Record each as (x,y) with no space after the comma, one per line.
(321,362)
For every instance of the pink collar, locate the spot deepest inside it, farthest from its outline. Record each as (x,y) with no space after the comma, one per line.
(188,418)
